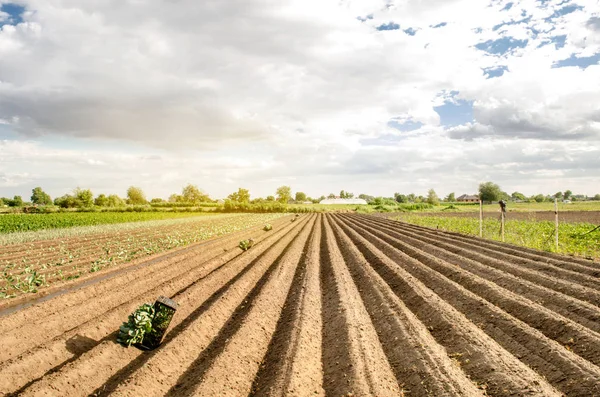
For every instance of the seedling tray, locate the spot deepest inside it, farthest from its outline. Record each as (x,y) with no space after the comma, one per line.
(164,311)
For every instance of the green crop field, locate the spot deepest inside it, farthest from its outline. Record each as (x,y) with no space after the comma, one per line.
(11,223)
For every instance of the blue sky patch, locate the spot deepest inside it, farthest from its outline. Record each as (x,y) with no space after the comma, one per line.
(581,62)
(558,41)
(15,13)
(507,6)
(524,20)
(439,25)
(405,126)
(495,72)
(388,26)
(564,11)
(501,46)
(363,19)
(455,112)
(410,31)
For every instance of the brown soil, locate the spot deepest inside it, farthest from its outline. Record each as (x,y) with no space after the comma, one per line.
(329,305)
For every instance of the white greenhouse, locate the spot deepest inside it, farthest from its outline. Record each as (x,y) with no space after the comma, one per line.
(344,201)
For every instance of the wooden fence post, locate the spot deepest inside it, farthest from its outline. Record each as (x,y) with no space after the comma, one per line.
(502,225)
(480,219)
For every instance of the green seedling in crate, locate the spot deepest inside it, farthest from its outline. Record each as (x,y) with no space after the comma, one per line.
(147,325)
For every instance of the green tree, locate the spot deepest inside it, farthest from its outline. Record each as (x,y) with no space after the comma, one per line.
(241,196)
(67,201)
(38,196)
(597,197)
(270,198)
(411,198)
(157,200)
(401,198)
(101,200)
(518,196)
(346,195)
(300,196)
(558,195)
(540,198)
(450,198)
(17,201)
(284,194)
(331,196)
(489,191)
(136,196)
(567,194)
(191,194)
(115,201)
(84,197)
(432,197)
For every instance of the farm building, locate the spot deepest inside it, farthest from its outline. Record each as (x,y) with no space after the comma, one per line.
(466,198)
(343,201)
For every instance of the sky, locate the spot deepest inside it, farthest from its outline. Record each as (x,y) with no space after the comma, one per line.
(367,96)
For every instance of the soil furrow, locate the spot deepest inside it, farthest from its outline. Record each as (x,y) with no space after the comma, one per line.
(579,339)
(421,365)
(563,369)
(245,346)
(579,311)
(112,363)
(195,350)
(353,359)
(292,365)
(481,357)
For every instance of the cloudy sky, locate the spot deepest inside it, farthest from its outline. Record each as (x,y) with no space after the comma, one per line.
(368,96)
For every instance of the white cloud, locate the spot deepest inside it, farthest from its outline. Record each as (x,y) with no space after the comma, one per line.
(264,92)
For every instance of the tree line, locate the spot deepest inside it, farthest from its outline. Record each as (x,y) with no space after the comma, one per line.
(192,195)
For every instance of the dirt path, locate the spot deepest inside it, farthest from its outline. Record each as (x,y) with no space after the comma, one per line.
(328,305)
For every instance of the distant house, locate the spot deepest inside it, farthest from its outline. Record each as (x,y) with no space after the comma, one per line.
(466,198)
(343,201)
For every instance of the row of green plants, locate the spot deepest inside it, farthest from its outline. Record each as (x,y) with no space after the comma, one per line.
(11,223)
(574,238)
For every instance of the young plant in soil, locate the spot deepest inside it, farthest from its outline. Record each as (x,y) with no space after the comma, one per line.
(245,245)
(267,227)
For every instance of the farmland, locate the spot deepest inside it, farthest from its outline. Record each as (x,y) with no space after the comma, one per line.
(331,304)
(35,261)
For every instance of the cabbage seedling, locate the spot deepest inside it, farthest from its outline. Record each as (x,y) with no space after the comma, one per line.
(246,244)
(267,227)
(138,324)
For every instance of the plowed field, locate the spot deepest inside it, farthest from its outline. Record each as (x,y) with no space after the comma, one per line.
(334,305)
